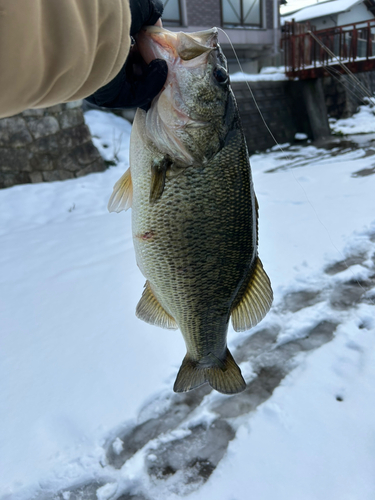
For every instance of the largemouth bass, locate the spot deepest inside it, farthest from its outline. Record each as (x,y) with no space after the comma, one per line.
(194,211)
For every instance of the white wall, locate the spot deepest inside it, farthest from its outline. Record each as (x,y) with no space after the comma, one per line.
(356,14)
(325,22)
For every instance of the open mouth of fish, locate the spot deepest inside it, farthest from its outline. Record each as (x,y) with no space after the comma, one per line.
(191,52)
(155,42)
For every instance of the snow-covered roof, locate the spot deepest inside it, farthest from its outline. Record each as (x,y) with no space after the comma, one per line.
(321,9)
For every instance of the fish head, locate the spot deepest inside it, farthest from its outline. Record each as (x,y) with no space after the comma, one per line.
(192,105)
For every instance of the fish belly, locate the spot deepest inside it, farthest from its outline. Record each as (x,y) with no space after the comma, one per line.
(196,243)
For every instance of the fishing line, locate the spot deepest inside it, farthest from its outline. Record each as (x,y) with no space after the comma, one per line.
(345,68)
(251,92)
(291,170)
(336,75)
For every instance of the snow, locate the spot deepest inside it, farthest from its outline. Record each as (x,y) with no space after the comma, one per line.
(266,74)
(118,446)
(362,122)
(69,286)
(78,370)
(294,5)
(303,442)
(107,491)
(320,9)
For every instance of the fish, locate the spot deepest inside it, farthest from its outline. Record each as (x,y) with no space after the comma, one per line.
(194,210)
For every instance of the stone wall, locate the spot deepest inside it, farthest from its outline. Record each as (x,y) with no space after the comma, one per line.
(343,96)
(55,144)
(282,106)
(289,107)
(46,145)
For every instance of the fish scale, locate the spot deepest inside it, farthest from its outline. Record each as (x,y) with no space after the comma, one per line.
(194,216)
(190,286)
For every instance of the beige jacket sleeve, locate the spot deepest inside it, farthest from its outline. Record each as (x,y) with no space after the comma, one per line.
(53,51)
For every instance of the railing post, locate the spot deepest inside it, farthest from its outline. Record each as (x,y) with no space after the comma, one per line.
(314,45)
(355,42)
(368,41)
(292,45)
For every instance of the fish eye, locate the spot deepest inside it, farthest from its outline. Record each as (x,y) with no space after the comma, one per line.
(221,75)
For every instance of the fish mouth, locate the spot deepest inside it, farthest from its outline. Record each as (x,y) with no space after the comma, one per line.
(192,58)
(155,42)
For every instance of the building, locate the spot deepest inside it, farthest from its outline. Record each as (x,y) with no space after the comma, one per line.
(334,13)
(253,26)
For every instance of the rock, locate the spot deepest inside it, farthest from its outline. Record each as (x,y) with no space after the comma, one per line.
(33,112)
(71,138)
(36,177)
(55,109)
(71,118)
(14,160)
(8,180)
(96,166)
(57,175)
(14,133)
(68,162)
(86,153)
(43,163)
(42,127)
(45,145)
(73,104)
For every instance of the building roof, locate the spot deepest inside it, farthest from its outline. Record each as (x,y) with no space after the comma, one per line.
(321,9)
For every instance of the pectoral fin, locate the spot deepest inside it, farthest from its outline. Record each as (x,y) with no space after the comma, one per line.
(158,174)
(150,310)
(255,301)
(122,195)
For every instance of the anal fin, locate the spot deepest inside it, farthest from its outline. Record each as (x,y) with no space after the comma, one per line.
(255,301)
(122,195)
(223,375)
(150,310)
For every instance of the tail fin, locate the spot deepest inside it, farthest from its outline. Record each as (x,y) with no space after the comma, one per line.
(222,375)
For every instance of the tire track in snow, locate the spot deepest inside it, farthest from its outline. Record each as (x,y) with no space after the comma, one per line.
(180,438)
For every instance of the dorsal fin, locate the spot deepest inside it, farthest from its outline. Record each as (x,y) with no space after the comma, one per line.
(150,310)
(122,195)
(255,301)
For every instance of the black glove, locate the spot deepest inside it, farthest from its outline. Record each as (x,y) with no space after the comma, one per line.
(137,83)
(132,88)
(144,12)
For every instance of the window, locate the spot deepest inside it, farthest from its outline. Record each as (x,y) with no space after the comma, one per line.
(172,13)
(242,12)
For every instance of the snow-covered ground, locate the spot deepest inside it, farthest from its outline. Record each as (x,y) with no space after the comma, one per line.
(87,408)
(269,73)
(363,122)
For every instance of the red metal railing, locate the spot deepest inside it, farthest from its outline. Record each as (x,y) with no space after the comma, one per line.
(306,54)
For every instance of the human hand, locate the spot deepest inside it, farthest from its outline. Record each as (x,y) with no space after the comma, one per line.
(145,12)
(137,83)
